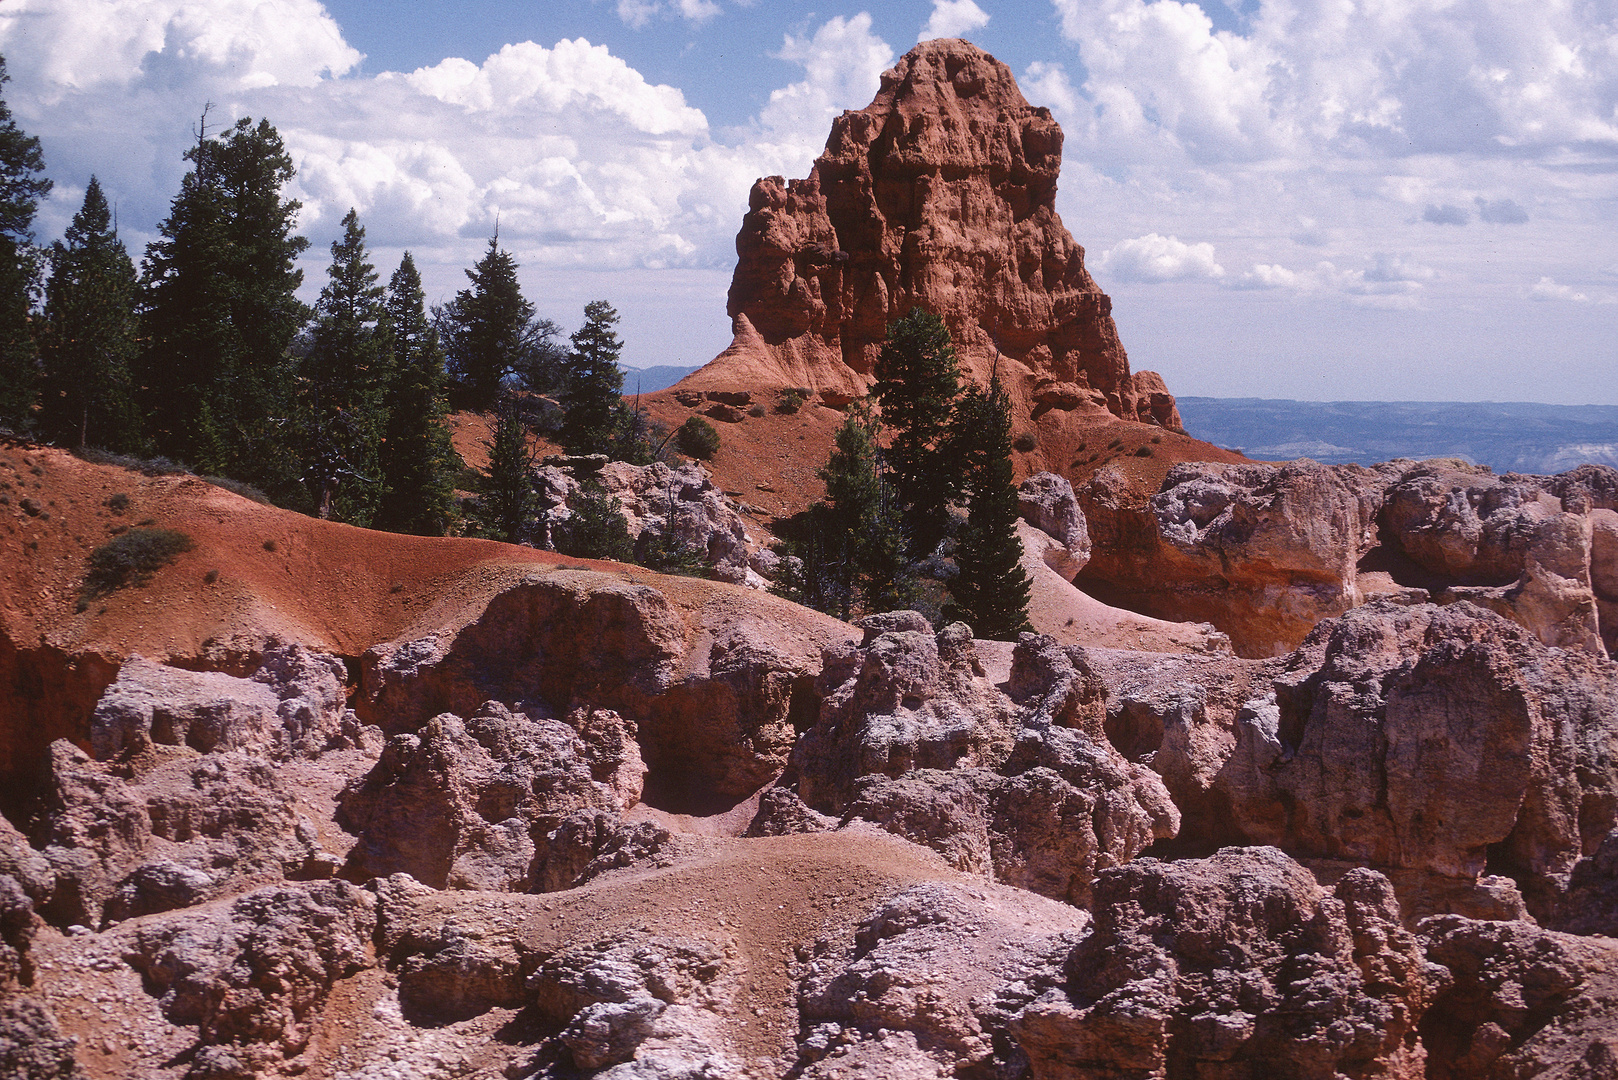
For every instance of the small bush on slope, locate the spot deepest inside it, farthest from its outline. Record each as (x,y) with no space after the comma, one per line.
(131,559)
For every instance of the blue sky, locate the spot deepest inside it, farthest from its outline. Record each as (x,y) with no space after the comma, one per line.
(1411,199)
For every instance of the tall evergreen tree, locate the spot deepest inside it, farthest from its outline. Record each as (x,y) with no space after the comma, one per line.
(419,462)
(850,545)
(506,506)
(918,382)
(342,382)
(990,593)
(490,333)
(221,310)
(89,338)
(593,395)
(21,188)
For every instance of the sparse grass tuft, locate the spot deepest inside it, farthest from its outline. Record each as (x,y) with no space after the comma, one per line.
(236,487)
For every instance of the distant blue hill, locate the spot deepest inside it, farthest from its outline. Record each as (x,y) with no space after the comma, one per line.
(1506,436)
(652,379)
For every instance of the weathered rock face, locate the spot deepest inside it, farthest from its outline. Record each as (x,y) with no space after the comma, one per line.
(939,966)
(1046,501)
(469,804)
(184,828)
(905,699)
(1262,552)
(1439,739)
(1238,965)
(658,501)
(1265,552)
(249,976)
(912,738)
(940,194)
(293,704)
(713,703)
(1520,1001)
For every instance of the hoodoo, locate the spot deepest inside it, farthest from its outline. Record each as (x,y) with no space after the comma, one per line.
(940,194)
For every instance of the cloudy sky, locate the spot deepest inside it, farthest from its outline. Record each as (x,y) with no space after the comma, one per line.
(1317,199)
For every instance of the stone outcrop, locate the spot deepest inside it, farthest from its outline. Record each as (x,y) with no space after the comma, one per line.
(911,737)
(1264,552)
(1517,1000)
(1045,500)
(712,695)
(940,194)
(249,976)
(1438,739)
(32,1046)
(906,698)
(1513,544)
(180,829)
(928,984)
(660,502)
(469,804)
(1236,965)
(294,704)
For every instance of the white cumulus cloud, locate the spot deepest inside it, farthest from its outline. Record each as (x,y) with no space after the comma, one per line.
(1389,281)
(242,43)
(843,63)
(637,13)
(1547,289)
(1154,258)
(953,18)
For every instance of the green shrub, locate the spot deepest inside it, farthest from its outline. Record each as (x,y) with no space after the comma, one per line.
(131,559)
(668,554)
(1025,442)
(118,503)
(154,466)
(596,529)
(697,438)
(791,399)
(246,491)
(1145,451)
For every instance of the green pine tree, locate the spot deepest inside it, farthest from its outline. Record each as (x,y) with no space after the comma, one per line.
(90,337)
(221,310)
(918,382)
(507,504)
(418,460)
(595,528)
(592,397)
(21,188)
(491,335)
(990,592)
(851,544)
(342,382)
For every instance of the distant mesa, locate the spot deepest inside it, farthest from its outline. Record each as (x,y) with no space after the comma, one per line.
(939,194)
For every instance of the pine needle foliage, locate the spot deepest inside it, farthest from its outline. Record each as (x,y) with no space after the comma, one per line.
(418,459)
(507,505)
(990,592)
(596,527)
(918,382)
(593,393)
(90,336)
(342,382)
(220,311)
(21,188)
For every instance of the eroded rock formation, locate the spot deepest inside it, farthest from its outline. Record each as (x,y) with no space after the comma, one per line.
(939,194)
(1265,552)
(913,738)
